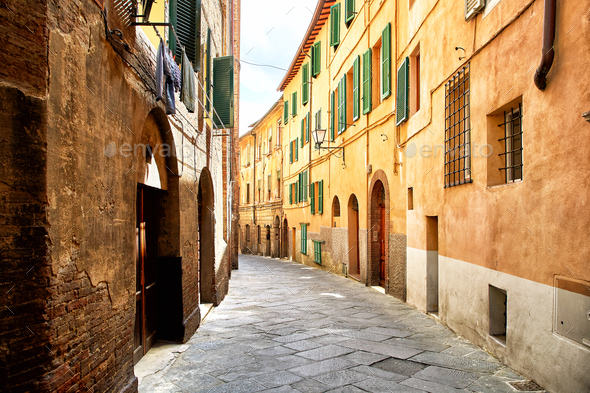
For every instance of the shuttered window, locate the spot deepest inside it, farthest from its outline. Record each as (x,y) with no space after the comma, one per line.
(296,147)
(342,105)
(208,72)
(302,135)
(349,11)
(472,7)
(332,115)
(305,84)
(286,112)
(317,252)
(223,92)
(316,59)
(307,122)
(290,194)
(294,104)
(386,62)
(403,90)
(356,88)
(312,199)
(305,185)
(291,152)
(146,6)
(367,81)
(335,25)
(185,16)
(321,197)
(304,239)
(296,188)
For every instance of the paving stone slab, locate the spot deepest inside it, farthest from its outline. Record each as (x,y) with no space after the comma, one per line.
(303,345)
(400,366)
(430,387)
(325,352)
(366,358)
(456,362)
(375,385)
(381,348)
(389,332)
(378,373)
(310,386)
(341,378)
(325,366)
(277,378)
(454,378)
(346,389)
(489,384)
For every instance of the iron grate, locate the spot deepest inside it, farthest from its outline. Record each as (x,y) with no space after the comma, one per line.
(527,386)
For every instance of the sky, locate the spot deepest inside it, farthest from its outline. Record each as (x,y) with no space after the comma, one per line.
(271,34)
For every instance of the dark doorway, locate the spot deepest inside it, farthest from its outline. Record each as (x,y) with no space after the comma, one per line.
(206,244)
(353,237)
(432,264)
(267,241)
(145,330)
(285,241)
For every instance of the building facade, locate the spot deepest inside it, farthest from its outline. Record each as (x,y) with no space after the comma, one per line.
(444,177)
(117,212)
(262,227)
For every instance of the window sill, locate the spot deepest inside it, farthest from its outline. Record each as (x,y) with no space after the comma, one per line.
(506,185)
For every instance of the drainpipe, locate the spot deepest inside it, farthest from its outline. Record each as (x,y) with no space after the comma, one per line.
(548,44)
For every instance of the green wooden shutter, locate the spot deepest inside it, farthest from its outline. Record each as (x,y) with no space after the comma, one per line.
(296,192)
(305,84)
(208,72)
(300,183)
(312,195)
(356,88)
(223,92)
(286,112)
(342,105)
(185,16)
(303,238)
(291,152)
(296,147)
(307,121)
(335,25)
(386,62)
(349,11)
(294,104)
(403,90)
(290,194)
(321,197)
(302,132)
(367,81)
(316,59)
(332,115)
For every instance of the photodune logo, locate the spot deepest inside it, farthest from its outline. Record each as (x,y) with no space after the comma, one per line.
(138,150)
(428,151)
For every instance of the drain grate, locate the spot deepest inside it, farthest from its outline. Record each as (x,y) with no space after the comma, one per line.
(527,386)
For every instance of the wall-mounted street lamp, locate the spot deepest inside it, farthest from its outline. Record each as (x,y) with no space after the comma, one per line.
(318,138)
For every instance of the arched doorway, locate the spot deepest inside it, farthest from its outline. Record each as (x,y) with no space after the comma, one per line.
(205,200)
(267,238)
(157,237)
(285,240)
(353,237)
(378,236)
(259,241)
(276,252)
(247,242)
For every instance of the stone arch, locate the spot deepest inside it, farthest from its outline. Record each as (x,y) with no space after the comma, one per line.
(354,268)
(206,206)
(378,219)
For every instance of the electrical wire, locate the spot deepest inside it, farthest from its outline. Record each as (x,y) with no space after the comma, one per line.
(261,65)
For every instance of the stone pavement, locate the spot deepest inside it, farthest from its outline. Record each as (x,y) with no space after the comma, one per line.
(287,327)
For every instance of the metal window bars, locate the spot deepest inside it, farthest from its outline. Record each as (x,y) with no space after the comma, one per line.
(458,129)
(512,144)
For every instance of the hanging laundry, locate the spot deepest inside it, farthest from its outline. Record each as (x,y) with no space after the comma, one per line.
(169,72)
(160,71)
(188,91)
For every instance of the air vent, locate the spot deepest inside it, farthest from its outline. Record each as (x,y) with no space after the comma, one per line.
(527,386)
(472,7)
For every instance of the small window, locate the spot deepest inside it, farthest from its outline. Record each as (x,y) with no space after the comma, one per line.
(278,133)
(341,126)
(349,12)
(317,252)
(269,186)
(458,129)
(411,198)
(512,145)
(498,314)
(316,59)
(316,193)
(304,239)
(247,233)
(286,112)
(294,104)
(335,25)
(259,235)
(376,74)
(504,149)
(248,193)
(415,80)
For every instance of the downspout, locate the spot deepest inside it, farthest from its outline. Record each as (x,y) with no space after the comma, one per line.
(548,44)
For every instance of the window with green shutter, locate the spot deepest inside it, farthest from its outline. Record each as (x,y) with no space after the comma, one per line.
(296,147)
(403,90)
(332,115)
(294,104)
(290,194)
(286,112)
(386,62)
(321,197)
(302,135)
(300,184)
(223,92)
(291,152)
(335,25)
(296,188)
(305,185)
(342,105)
(316,59)
(304,239)
(367,81)
(185,16)
(312,197)
(208,72)
(305,84)
(356,88)
(317,252)
(307,121)
(349,11)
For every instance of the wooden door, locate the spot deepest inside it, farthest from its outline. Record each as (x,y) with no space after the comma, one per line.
(382,242)
(146,289)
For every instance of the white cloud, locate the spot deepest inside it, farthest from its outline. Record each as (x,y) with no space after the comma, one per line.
(271,33)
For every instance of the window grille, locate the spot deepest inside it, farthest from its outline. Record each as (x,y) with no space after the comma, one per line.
(458,129)
(512,144)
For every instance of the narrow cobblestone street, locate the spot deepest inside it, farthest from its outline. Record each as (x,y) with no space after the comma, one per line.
(287,327)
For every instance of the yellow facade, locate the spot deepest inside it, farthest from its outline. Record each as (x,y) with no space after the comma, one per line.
(449,217)
(261,176)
